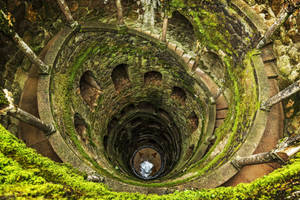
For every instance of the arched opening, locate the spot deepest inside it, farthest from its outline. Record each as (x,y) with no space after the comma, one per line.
(182,29)
(89,89)
(81,128)
(127,109)
(193,121)
(179,95)
(113,122)
(152,78)
(120,77)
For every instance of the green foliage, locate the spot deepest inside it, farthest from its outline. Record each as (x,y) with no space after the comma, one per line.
(3,100)
(26,174)
(209,25)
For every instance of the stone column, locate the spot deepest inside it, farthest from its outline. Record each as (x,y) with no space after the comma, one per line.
(164,28)
(65,9)
(119,12)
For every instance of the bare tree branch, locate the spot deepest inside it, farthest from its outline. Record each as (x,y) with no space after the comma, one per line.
(7,28)
(290,90)
(12,110)
(65,9)
(282,153)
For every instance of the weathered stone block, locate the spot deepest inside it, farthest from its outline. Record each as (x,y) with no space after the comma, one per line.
(270,70)
(156,36)
(191,64)
(221,114)
(186,58)
(179,51)
(147,32)
(221,103)
(267,53)
(172,46)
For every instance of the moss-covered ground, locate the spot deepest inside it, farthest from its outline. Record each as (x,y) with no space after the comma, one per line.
(27,175)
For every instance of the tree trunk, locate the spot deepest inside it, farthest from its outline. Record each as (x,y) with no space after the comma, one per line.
(12,110)
(283,152)
(7,28)
(65,9)
(119,12)
(253,159)
(292,89)
(164,29)
(283,16)
(32,120)
(30,54)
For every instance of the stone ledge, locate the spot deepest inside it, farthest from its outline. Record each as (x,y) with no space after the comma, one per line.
(257,21)
(221,114)
(172,46)
(267,53)
(186,58)
(258,128)
(179,52)
(191,65)
(221,103)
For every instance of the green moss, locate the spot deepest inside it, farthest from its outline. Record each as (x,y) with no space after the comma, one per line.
(3,100)
(208,25)
(65,102)
(26,174)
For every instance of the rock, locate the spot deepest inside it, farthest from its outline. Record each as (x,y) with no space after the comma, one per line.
(292,32)
(294,75)
(284,65)
(57,24)
(270,22)
(284,37)
(262,15)
(258,8)
(294,54)
(279,48)
(95,178)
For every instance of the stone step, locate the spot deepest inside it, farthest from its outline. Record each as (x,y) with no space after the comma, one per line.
(219,122)
(268,54)
(211,85)
(270,69)
(221,103)
(221,114)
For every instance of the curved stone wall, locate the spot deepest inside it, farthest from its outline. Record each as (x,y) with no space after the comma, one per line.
(178,111)
(119,97)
